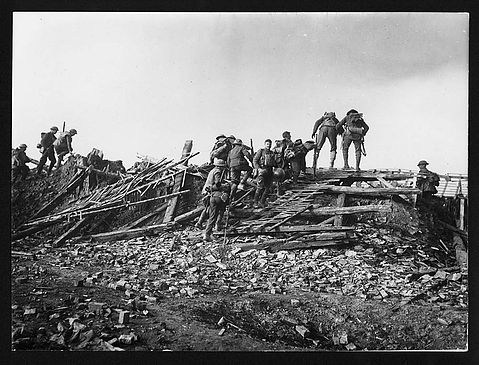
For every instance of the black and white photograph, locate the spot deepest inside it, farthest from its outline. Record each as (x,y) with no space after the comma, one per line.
(239,181)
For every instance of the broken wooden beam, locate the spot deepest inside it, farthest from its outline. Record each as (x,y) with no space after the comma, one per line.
(170,209)
(124,234)
(27,232)
(186,150)
(294,245)
(367,191)
(109,175)
(290,217)
(320,210)
(189,215)
(69,233)
(311,228)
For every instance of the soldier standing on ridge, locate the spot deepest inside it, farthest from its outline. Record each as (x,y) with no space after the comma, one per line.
(355,129)
(47,150)
(263,163)
(63,145)
(426,181)
(327,129)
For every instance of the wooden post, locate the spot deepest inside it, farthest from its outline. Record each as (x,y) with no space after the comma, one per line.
(187,150)
(170,210)
(340,201)
(462,209)
(73,230)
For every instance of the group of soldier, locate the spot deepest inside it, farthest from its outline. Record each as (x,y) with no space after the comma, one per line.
(49,146)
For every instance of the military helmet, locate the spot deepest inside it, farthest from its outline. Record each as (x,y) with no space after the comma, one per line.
(238,141)
(23,145)
(72,131)
(219,162)
(422,162)
(54,128)
(352,111)
(232,137)
(220,136)
(278,174)
(286,133)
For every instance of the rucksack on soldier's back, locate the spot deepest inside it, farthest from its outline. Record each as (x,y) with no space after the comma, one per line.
(60,139)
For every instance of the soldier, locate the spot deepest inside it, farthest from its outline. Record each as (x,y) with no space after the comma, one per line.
(222,147)
(287,153)
(263,163)
(63,145)
(237,161)
(219,192)
(426,181)
(298,161)
(355,129)
(19,161)
(327,129)
(47,151)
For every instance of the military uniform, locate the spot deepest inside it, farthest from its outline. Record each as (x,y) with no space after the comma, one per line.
(237,161)
(19,161)
(264,162)
(47,152)
(426,181)
(355,128)
(327,129)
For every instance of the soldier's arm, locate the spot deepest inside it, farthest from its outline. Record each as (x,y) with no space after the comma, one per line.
(256,159)
(341,123)
(365,127)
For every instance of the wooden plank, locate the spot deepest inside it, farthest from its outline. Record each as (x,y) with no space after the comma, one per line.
(125,234)
(289,229)
(389,185)
(189,215)
(27,232)
(391,190)
(69,233)
(290,217)
(170,210)
(319,210)
(462,209)
(305,245)
(340,202)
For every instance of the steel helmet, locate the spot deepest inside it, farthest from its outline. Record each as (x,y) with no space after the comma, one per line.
(54,129)
(219,162)
(220,136)
(278,174)
(72,131)
(238,141)
(23,145)
(422,162)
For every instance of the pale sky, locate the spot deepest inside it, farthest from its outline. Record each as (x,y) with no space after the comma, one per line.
(146,82)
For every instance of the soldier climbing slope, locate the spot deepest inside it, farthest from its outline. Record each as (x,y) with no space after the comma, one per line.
(219,191)
(355,128)
(426,181)
(47,151)
(263,163)
(327,129)
(19,161)
(237,161)
(63,145)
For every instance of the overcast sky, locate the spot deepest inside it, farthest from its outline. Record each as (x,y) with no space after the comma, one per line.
(146,82)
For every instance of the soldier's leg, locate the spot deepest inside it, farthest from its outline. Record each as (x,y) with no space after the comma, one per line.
(24,172)
(332,136)
(357,151)
(219,219)
(204,213)
(51,157)
(235,178)
(41,162)
(346,143)
(260,186)
(212,218)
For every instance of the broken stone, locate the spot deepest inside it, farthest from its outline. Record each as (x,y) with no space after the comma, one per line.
(127,339)
(303,331)
(78,283)
(96,307)
(295,302)
(221,266)
(343,339)
(350,346)
(29,311)
(211,258)
(124,317)
(221,321)
(220,333)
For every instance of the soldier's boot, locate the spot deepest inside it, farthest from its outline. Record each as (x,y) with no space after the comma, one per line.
(358,161)
(332,157)
(345,157)
(257,195)
(50,168)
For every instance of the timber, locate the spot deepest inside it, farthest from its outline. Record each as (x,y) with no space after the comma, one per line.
(319,210)
(290,229)
(125,234)
(73,230)
(340,202)
(146,217)
(368,191)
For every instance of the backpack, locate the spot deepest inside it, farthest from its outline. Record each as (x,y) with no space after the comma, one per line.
(61,139)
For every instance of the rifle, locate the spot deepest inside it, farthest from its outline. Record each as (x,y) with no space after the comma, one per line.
(63,129)
(251,143)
